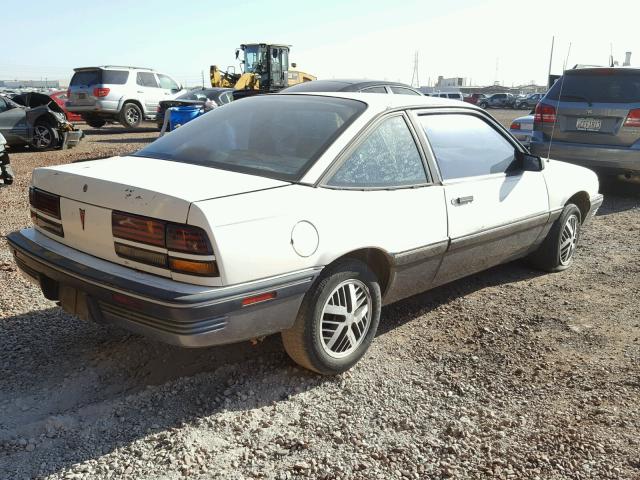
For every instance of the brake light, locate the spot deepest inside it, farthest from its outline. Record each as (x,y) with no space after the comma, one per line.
(633,119)
(45,202)
(188,239)
(174,237)
(515,126)
(100,92)
(138,229)
(545,114)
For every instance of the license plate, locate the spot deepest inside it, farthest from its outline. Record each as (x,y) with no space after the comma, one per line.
(589,124)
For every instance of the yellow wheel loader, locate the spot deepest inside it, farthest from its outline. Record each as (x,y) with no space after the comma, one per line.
(265,69)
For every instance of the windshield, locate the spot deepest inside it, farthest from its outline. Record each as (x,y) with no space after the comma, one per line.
(253,59)
(273,136)
(602,86)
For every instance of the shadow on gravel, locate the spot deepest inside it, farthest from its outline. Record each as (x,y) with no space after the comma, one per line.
(72,390)
(407,310)
(127,140)
(117,130)
(619,196)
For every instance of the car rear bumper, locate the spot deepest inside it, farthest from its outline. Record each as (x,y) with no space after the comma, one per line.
(169,311)
(100,106)
(597,157)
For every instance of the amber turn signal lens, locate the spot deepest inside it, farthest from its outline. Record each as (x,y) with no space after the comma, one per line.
(193,267)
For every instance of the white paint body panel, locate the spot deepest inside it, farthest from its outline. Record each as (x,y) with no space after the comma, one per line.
(565,179)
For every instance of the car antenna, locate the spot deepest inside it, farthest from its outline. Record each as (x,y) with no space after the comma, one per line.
(553,128)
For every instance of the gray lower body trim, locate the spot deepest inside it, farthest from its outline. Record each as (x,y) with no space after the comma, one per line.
(212,317)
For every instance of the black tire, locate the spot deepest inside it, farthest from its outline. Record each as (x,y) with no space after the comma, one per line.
(45,137)
(94,122)
(130,115)
(483,105)
(304,342)
(550,255)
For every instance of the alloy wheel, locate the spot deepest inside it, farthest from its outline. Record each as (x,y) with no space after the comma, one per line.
(132,116)
(569,239)
(346,318)
(42,137)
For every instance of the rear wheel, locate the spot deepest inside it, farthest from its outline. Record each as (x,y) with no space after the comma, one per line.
(557,251)
(130,115)
(483,105)
(45,136)
(337,321)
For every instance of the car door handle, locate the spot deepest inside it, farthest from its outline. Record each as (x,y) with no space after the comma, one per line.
(140,91)
(462,200)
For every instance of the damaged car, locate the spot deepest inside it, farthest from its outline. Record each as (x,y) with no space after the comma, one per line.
(6,175)
(34,119)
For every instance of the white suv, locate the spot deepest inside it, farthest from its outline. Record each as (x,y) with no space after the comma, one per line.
(124,94)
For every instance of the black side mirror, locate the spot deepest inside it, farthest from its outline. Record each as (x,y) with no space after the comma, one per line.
(528,162)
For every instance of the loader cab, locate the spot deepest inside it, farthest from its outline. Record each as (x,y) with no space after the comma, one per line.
(270,62)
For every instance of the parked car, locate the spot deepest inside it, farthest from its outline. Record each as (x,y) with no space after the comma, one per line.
(364,86)
(522,129)
(497,100)
(127,95)
(474,98)
(593,115)
(60,98)
(528,101)
(196,97)
(6,174)
(34,119)
(297,214)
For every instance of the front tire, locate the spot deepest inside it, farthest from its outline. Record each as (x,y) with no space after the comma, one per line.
(45,137)
(337,320)
(130,115)
(556,252)
(484,105)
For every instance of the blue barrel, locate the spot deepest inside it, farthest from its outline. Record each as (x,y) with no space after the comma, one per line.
(181,115)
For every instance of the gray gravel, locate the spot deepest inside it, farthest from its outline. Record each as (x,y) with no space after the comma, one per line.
(506,374)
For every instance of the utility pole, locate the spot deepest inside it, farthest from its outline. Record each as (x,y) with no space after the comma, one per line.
(415,78)
(202,74)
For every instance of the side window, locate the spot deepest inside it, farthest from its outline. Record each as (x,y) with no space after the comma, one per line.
(167,82)
(403,91)
(388,157)
(3,105)
(467,146)
(374,90)
(225,98)
(146,79)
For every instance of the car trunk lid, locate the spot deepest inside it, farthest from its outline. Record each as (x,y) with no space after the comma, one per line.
(160,189)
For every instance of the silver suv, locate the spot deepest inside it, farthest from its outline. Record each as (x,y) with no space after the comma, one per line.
(593,115)
(124,94)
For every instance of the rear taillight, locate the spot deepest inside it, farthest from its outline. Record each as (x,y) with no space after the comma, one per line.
(138,229)
(633,119)
(45,202)
(188,239)
(544,114)
(100,92)
(176,238)
(515,126)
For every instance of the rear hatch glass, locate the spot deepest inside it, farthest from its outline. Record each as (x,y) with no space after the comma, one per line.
(98,76)
(592,106)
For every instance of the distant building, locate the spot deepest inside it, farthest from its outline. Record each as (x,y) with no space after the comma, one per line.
(30,83)
(454,82)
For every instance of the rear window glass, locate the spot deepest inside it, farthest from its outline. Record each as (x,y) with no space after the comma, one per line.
(275,136)
(601,87)
(98,76)
(317,86)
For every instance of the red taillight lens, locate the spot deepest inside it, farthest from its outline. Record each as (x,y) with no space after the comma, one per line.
(187,239)
(68,93)
(263,297)
(45,202)
(100,92)
(545,114)
(515,126)
(137,228)
(633,119)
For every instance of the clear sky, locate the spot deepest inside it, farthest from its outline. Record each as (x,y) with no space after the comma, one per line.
(483,41)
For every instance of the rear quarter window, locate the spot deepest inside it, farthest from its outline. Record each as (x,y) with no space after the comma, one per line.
(115,77)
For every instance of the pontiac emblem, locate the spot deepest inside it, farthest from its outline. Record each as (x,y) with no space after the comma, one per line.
(82,217)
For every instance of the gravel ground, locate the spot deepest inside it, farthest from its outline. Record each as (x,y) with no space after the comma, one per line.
(506,374)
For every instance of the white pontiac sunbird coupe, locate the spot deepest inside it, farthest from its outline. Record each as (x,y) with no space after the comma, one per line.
(301,214)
